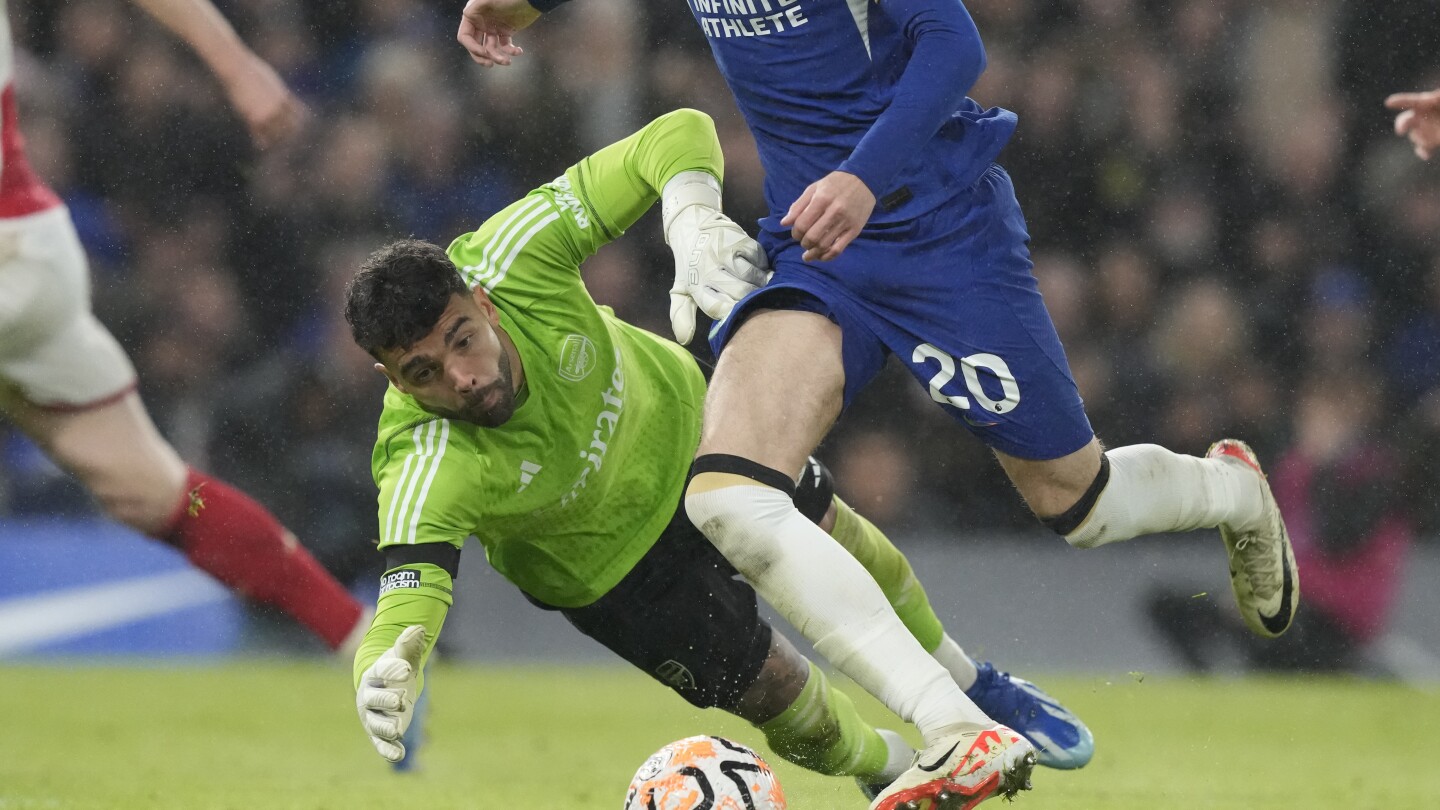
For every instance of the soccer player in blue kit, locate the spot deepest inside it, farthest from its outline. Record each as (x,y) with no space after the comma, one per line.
(892,230)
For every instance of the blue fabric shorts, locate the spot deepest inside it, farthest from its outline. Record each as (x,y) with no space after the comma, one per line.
(951,294)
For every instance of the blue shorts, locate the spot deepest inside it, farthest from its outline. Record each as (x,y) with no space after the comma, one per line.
(951,294)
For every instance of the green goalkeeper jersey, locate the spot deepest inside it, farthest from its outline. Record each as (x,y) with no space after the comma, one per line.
(573,490)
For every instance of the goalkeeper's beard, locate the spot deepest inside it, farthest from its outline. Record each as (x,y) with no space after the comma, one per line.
(491,406)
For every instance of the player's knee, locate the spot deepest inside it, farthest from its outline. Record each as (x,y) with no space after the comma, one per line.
(144,502)
(688,118)
(1068,523)
(708,505)
(734,502)
(137,479)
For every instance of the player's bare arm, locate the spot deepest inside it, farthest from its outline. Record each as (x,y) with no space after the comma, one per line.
(947,60)
(259,96)
(487,28)
(1419,120)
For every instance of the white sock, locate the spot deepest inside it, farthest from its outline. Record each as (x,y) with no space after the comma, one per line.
(833,601)
(956,662)
(1153,490)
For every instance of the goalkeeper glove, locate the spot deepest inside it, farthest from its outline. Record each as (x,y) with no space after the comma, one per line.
(716,261)
(388,690)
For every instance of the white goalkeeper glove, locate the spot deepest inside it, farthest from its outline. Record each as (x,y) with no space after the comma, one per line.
(716,261)
(388,690)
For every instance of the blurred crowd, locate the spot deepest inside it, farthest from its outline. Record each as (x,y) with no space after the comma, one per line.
(1222,223)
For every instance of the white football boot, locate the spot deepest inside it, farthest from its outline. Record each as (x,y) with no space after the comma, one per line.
(1262,563)
(963,770)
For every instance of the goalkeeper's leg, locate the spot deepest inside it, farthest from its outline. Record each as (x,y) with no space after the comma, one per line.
(812,724)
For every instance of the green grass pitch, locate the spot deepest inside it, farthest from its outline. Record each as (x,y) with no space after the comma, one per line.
(279,735)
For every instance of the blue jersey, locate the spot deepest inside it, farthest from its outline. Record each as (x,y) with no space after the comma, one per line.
(877,89)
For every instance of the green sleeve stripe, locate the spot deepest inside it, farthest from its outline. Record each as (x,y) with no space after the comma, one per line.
(418,473)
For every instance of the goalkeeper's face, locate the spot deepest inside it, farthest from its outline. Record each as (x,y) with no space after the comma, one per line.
(461,369)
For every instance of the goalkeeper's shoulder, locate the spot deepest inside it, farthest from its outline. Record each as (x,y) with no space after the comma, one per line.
(484,249)
(428,472)
(420,434)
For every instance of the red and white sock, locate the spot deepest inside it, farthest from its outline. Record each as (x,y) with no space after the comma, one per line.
(236,540)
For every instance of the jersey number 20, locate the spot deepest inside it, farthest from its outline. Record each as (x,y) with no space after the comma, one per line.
(969,368)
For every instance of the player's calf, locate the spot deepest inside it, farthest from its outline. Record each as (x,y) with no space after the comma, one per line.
(1145,489)
(821,731)
(236,540)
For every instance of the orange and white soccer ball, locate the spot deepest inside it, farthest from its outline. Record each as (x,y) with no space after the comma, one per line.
(705,773)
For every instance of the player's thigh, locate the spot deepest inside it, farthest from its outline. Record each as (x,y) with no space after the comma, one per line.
(114,449)
(970,325)
(1050,487)
(683,617)
(777,389)
(1001,375)
(52,349)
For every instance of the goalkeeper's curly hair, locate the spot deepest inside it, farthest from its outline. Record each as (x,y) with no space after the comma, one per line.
(398,295)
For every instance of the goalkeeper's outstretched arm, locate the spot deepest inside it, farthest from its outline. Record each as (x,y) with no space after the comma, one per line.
(390,664)
(676,157)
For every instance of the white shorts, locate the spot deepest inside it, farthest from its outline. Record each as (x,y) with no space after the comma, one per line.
(53,351)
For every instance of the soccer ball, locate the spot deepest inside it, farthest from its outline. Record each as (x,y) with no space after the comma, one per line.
(705,773)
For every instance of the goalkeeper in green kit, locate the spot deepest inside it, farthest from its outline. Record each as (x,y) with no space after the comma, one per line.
(522,413)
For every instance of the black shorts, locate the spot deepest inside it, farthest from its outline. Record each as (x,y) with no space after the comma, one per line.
(685,616)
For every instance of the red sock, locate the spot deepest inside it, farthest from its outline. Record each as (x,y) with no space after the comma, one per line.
(236,540)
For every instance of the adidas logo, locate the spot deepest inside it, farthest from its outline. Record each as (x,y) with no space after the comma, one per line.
(528,471)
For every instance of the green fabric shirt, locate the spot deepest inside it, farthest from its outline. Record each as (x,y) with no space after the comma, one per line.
(573,490)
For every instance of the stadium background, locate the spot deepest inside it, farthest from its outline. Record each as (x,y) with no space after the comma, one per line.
(1221,221)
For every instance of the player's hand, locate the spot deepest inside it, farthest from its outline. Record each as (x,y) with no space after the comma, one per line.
(716,265)
(1419,120)
(487,28)
(829,215)
(716,261)
(271,112)
(388,691)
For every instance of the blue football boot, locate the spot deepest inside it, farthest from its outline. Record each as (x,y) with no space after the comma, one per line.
(1061,740)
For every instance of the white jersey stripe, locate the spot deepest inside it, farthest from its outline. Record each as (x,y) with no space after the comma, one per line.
(397,535)
(389,531)
(474,271)
(434,468)
(478,272)
(509,260)
(492,273)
